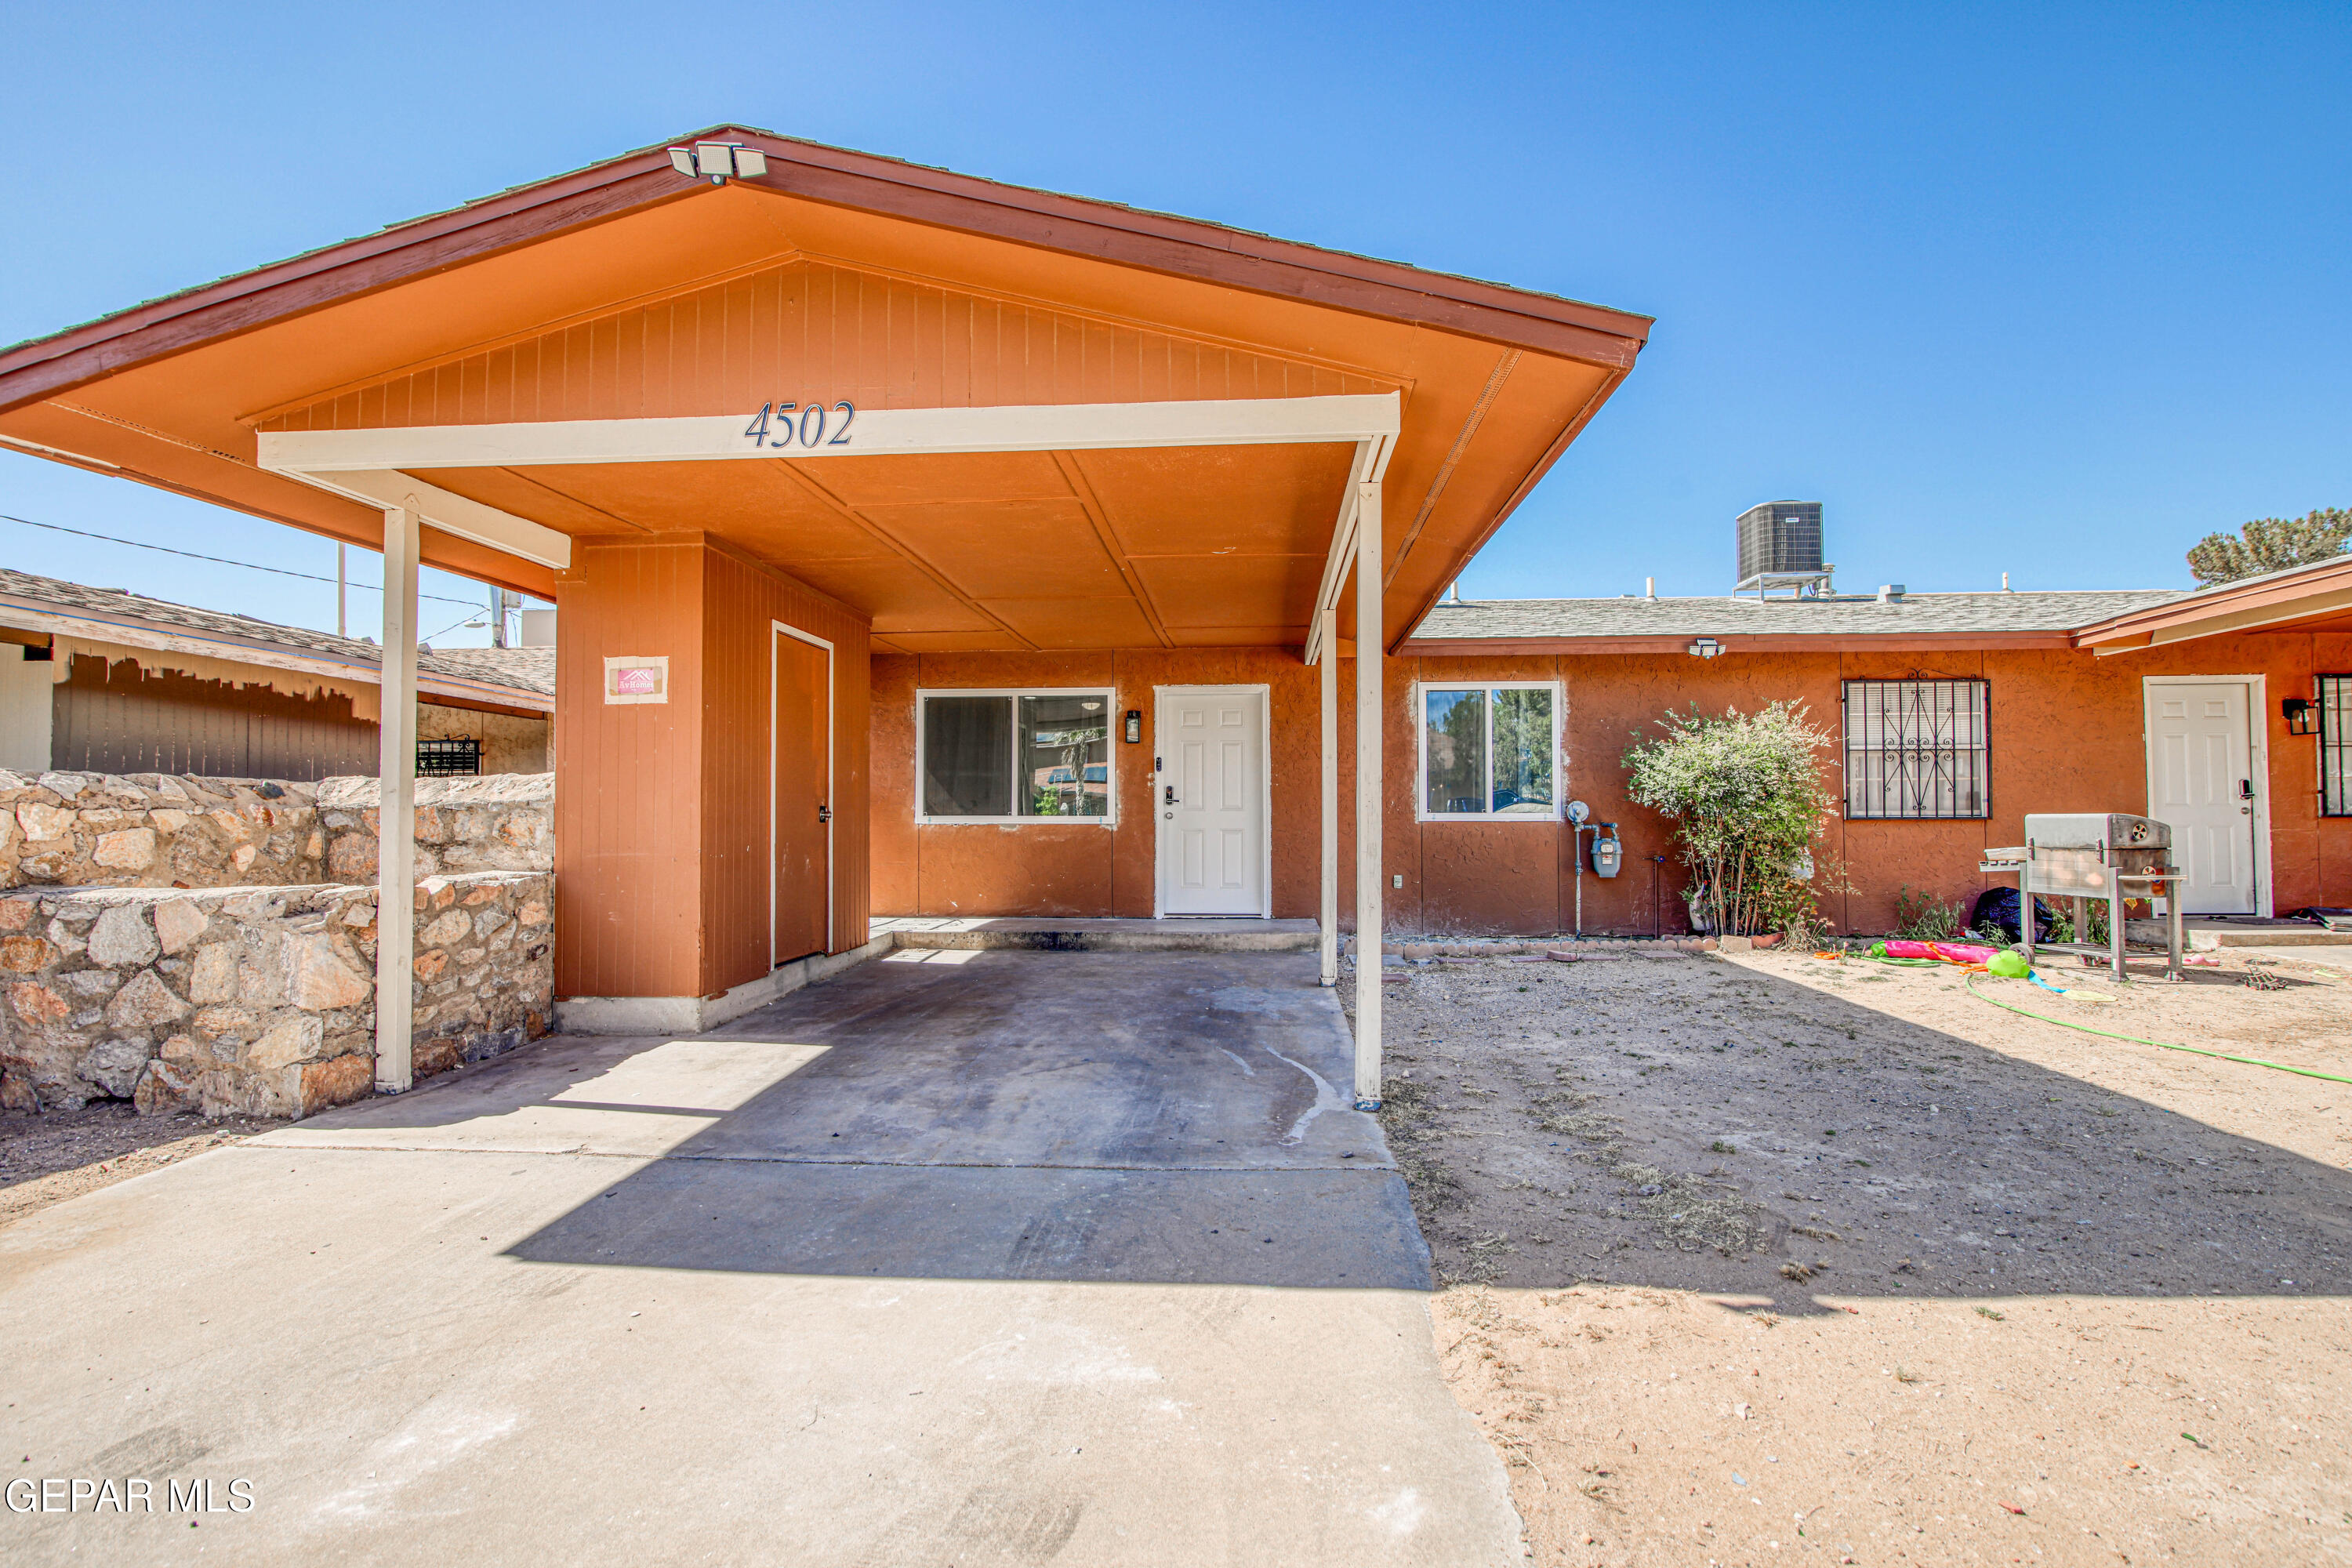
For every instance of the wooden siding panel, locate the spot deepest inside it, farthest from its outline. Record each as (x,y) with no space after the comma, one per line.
(817,330)
(119,719)
(628,800)
(744,600)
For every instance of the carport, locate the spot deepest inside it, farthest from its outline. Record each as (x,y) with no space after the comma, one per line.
(771,422)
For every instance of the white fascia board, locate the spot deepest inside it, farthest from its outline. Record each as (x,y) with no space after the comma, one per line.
(1372,458)
(1049,428)
(444,509)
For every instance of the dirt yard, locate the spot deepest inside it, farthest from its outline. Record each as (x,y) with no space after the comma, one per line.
(1773,1258)
(48,1158)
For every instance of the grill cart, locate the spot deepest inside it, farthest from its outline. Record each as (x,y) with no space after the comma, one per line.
(2086,855)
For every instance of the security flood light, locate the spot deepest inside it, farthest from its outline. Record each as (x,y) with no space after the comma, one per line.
(718,162)
(1704,648)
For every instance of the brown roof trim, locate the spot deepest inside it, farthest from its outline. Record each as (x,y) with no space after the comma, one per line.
(1183,247)
(2323,588)
(1786,642)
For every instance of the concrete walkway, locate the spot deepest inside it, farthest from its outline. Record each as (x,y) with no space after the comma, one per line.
(1012,1258)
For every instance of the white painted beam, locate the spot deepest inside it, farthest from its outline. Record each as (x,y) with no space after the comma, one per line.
(449,512)
(395,837)
(1371,879)
(1371,464)
(865,432)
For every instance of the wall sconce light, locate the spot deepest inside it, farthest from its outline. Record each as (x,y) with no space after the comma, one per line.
(2302,717)
(1134,726)
(1704,648)
(716,161)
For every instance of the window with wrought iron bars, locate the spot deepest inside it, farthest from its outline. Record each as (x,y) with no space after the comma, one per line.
(2336,745)
(445,759)
(1917,750)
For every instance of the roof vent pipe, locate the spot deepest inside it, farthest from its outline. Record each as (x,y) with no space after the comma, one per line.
(1649,587)
(1453,592)
(1890,593)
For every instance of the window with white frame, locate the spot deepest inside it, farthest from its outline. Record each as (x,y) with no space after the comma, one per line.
(1917,750)
(1490,750)
(1013,756)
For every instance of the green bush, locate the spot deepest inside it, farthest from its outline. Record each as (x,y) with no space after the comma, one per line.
(1746,795)
(1923,917)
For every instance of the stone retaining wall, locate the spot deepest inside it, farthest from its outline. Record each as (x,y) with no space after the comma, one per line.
(255,1001)
(165,830)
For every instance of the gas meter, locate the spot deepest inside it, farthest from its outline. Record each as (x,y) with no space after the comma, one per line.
(1607,853)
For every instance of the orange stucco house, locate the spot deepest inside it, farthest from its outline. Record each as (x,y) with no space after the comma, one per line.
(929,545)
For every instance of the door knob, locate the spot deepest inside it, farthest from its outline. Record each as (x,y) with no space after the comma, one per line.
(825,814)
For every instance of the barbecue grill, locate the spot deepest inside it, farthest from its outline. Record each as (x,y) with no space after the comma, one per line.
(2084,855)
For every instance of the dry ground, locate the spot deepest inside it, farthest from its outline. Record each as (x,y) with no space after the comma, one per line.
(48,1158)
(1773,1258)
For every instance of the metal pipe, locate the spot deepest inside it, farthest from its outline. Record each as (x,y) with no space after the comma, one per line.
(342,630)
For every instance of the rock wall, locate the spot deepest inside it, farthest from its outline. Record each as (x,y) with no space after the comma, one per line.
(163,830)
(499,822)
(258,1001)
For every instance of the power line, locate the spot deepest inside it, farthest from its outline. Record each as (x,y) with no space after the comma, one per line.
(216,560)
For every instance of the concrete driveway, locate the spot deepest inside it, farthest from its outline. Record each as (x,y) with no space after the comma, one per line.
(970,1258)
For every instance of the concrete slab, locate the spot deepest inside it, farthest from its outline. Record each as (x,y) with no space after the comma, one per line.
(978,933)
(625,1298)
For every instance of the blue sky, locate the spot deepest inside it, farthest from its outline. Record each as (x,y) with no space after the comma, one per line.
(2051,290)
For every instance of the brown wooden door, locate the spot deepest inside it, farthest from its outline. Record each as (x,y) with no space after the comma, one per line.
(803,799)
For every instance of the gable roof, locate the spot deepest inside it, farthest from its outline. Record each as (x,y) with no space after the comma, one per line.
(521,679)
(1632,624)
(1547,324)
(1496,381)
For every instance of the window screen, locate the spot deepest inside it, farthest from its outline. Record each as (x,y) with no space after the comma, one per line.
(967,756)
(2336,745)
(1916,749)
(1487,750)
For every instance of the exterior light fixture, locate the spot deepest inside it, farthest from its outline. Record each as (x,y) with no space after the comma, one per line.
(716,161)
(2302,717)
(1704,647)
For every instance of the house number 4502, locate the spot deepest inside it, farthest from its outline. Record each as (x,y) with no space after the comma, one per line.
(776,425)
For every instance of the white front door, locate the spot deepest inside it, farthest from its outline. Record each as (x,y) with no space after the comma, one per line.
(1211,801)
(2200,781)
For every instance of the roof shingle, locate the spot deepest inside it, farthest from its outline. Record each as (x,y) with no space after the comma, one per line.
(520,668)
(1721,616)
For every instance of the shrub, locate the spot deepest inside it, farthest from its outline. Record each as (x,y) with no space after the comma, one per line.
(1923,917)
(1746,795)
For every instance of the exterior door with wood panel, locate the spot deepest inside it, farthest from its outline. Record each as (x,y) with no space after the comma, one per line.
(804,832)
(1211,789)
(2200,781)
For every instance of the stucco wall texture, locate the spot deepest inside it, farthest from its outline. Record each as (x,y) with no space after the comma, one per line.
(2066,735)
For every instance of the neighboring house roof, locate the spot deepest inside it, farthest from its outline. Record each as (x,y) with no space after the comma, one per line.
(1631,625)
(518,679)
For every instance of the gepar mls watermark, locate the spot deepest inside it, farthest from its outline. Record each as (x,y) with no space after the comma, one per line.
(131,1494)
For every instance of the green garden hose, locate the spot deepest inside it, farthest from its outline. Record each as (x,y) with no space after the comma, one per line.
(2160,1045)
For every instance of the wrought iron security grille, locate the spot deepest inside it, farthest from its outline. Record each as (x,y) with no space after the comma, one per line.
(2336,745)
(1916,749)
(445,759)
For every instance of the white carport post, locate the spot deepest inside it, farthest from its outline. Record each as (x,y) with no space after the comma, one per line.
(1371,635)
(396,836)
(1327,681)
